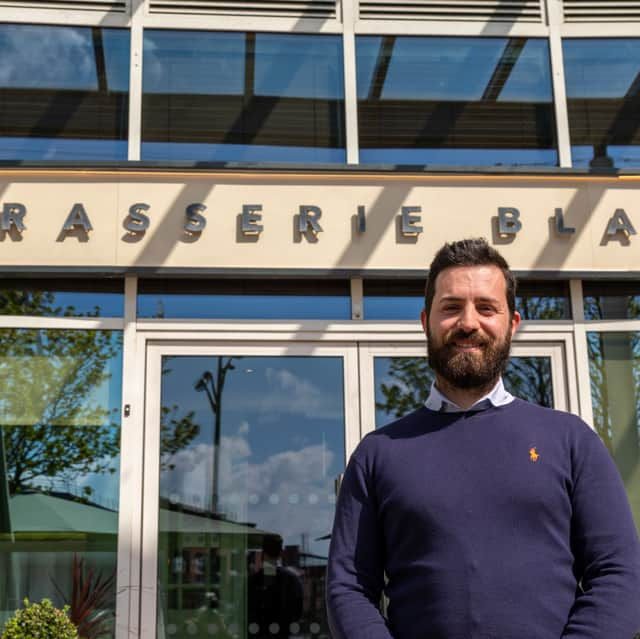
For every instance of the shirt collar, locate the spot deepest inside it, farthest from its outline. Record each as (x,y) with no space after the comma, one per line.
(497,396)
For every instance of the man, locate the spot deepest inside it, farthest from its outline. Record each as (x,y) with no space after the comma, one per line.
(481,516)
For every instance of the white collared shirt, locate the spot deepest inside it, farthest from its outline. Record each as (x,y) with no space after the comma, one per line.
(497,396)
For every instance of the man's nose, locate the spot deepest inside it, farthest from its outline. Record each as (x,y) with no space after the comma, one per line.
(468,319)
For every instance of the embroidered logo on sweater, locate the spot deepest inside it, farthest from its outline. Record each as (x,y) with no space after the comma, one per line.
(533,454)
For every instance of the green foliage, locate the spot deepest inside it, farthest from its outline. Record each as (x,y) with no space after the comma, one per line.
(40,621)
(408,386)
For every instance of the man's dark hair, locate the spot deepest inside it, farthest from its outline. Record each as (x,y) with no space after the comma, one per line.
(472,252)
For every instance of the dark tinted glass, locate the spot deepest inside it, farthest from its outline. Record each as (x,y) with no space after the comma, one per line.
(64,92)
(611,300)
(473,101)
(543,300)
(603,98)
(404,300)
(259,299)
(62,298)
(242,96)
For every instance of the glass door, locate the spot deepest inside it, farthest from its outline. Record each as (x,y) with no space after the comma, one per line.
(243,447)
(395,378)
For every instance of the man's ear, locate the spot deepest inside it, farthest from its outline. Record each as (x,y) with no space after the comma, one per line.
(423,320)
(515,322)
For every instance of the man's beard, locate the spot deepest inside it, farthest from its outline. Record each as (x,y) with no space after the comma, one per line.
(468,370)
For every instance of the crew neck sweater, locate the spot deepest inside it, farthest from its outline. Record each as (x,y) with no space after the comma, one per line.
(506,523)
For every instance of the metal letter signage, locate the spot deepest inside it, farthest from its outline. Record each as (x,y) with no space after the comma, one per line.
(308,220)
(362,221)
(137,221)
(409,222)
(561,229)
(12,215)
(508,220)
(250,219)
(620,222)
(78,218)
(195,222)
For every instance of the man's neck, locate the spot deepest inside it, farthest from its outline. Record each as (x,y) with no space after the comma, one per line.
(463,397)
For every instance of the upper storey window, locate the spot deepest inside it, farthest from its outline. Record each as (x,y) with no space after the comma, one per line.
(455,101)
(242,97)
(603,99)
(64,93)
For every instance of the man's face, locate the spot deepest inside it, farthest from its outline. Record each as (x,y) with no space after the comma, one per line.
(469,330)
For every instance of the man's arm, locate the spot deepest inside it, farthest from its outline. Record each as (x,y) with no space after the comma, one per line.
(355,574)
(606,549)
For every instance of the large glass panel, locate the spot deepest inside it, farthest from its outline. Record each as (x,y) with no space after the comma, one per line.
(603,95)
(251,449)
(59,463)
(455,101)
(62,298)
(397,300)
(611,300)
(242,97)
(402,384)
(231,299)
(64,93)
(614,365)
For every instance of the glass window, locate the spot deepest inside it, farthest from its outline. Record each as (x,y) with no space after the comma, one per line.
(402,384)
(535,300)
(59,470)
(258,299)
(602,82)
(64,93)
(614,366)
(251,451)
(611,300)
(456,101)
(62,298)
(242,97)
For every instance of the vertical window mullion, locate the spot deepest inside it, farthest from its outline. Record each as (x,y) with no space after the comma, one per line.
(135,80)
(349,13)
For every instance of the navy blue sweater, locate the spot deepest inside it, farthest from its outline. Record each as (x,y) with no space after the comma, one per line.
(508,523)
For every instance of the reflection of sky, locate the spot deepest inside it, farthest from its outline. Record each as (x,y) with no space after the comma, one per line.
(45,57)
(445,68)
(240,153)
(244,306)
(282,442)
(85,303)
(461,157)
(600,67)
(378,307)
(622,156)
(12,148)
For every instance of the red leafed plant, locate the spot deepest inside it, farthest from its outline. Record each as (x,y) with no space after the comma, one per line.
(89,606)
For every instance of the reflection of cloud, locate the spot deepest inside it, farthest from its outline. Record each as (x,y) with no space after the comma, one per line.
(288,493)
(46,57)
(288,393)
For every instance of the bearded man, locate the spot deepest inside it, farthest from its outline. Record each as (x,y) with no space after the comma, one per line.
(479,515)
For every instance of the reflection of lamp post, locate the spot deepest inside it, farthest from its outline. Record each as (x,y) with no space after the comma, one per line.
(213,387)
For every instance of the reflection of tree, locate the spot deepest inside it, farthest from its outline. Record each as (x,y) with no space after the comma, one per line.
(53,426)
(412,379)
(530,378)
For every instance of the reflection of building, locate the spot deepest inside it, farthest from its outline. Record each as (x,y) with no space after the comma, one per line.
(154,254)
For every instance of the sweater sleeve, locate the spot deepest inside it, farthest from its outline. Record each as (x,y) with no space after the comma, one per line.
(606,549)
(355,573)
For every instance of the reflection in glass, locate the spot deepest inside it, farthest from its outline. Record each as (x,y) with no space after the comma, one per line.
(614,367)
(62,298)
(64,92)
(59,459)
(611,300)
(444,100)
(603,95)
(250,451)
(218,96)
(398,300)
(403,383)
(248,299)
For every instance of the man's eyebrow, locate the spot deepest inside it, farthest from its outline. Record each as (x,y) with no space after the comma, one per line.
(460,298)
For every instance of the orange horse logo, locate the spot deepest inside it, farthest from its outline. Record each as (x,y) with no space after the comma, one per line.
(533,454)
